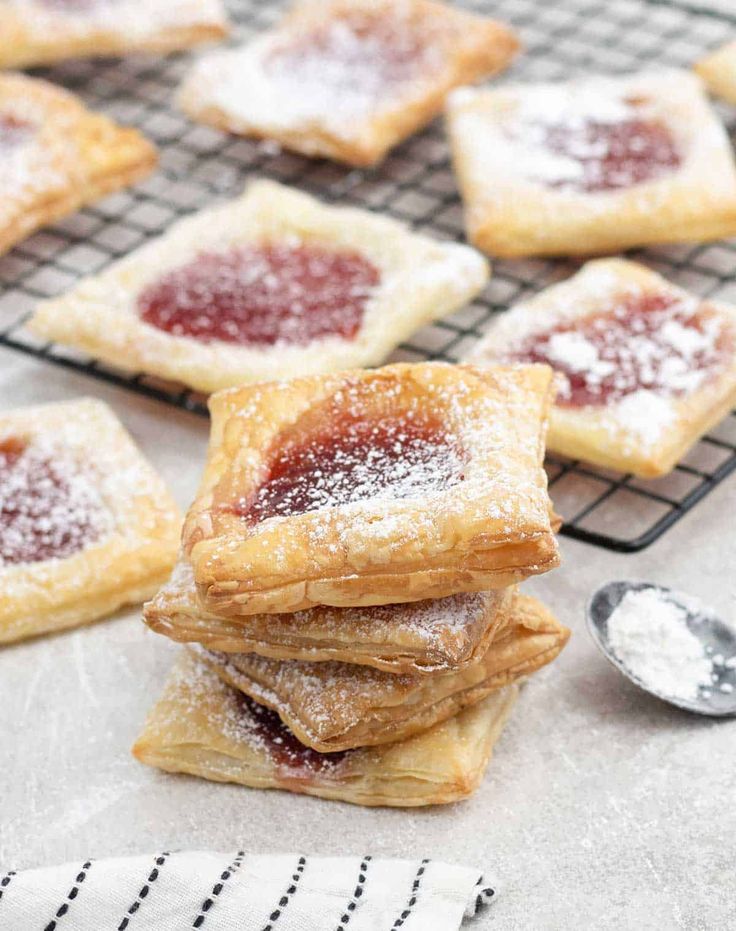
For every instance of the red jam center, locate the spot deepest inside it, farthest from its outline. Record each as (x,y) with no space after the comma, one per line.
(613,156)
(359,461)
(263,295)
(357,54)
(13,131)
(649,341)
(48,508)
(286,751)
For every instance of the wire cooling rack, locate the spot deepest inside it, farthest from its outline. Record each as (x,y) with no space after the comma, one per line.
(416,185)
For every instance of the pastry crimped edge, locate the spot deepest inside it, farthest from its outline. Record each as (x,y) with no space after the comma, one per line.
(492,530)
(593,433)
(484,48)
(508,215)
(194,731)
(421,281)
(125,565)
(531,638)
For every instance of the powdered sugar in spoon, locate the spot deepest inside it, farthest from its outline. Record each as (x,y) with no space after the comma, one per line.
(668,644)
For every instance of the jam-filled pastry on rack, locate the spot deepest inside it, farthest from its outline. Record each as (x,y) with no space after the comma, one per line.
(346,79)
(38,32)
(56,156)
(272,285)
(418,637)
(646,368)
(718,70)
(338,706)
(206,728)
(86,525)
(373,487)
(592,166)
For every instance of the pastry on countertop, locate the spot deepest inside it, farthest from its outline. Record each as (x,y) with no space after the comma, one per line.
(86,525)
(203,727)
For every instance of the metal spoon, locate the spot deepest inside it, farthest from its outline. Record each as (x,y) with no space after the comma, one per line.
(716,637)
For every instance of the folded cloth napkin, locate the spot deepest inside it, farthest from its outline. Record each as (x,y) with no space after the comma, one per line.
(242,892)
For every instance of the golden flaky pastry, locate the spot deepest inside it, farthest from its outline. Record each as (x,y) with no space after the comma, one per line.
(346,79)
(372,487)
(274,284)
(203,727)
(418,637)
(86,525)
(592,166)
(645,367)
(337,706)
(56,156)
(38,32)
(718,70)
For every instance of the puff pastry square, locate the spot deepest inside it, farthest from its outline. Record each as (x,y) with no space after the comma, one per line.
(38,32)
(203,727)
(646,368)
(337,706)
(718,70)
(372,487)
(347,79)
(86,525)
(418,637)
(56,156)
(592,166)
(273,284)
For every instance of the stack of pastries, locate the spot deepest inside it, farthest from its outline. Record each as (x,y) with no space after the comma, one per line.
(347,587)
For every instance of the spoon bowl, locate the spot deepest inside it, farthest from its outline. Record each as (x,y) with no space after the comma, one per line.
(715,636)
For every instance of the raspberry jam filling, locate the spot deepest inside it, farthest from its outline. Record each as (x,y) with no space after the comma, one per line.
(651,342)
(286,751)
(13,131)
(49,508)
(358,55)
(357,460)
(261,296)
(613,156)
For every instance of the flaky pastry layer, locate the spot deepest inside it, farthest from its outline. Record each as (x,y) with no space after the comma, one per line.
(202,727)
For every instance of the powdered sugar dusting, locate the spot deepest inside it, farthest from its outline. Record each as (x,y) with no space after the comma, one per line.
(342,66)
(243,722)
(135,19)
(648,633)
(365,459)
(50,505)
(574,136)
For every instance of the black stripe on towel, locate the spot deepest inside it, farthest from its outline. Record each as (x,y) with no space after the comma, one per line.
(71,896)
(287,897)
(145,889)
(353,903)
(414,896)
(483,895)
(217,889)
(5,881)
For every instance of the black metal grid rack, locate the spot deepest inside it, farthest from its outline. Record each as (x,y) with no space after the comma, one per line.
(415,184)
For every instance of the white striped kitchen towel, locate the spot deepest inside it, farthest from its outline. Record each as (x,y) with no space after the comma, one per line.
(242,892)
